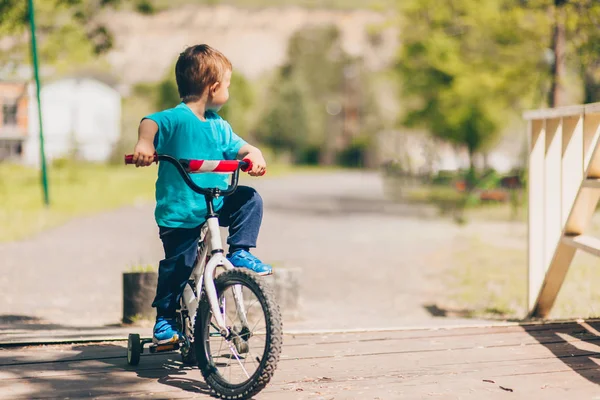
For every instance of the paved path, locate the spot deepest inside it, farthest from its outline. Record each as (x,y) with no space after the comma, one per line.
(529,362)
(364,262)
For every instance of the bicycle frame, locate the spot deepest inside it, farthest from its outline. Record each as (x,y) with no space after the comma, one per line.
(203,276)
(203,272)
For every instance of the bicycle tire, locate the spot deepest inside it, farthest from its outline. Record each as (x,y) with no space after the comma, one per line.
(273,339)
(134,349)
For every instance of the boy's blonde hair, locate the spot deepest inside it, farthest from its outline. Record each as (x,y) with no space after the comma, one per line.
(197,68)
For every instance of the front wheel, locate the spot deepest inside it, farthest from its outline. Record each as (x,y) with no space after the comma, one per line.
(241,365)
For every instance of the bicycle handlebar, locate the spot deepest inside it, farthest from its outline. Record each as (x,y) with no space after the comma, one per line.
(199,166)
(186,167)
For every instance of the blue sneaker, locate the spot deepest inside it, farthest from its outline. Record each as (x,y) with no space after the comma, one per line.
(244,259)
(165,331)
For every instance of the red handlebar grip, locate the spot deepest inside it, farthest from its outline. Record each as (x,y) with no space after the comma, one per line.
(129,158)
(249,167)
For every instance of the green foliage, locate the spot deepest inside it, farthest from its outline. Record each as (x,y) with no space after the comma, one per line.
(320,102)
(356,152)
(145,7)
(285,124)
(463,68)
(239,111)
(67,31)
(142,268)
(167,95)
(296,118)
(134,107)
(584,31)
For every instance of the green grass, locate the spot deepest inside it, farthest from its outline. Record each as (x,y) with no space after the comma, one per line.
(75,190)
(448,201)
(487,280)
(486,276)
(579,296)
(446,198)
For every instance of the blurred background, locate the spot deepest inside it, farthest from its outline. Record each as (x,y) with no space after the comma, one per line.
(393,130)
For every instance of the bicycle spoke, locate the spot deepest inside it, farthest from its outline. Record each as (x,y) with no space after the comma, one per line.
(254,327)
(234,352)
(243,314)
(251,305)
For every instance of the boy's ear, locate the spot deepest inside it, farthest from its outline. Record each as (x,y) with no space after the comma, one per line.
(214,87)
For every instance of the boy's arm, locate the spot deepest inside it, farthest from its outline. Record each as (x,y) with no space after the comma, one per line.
(259,165)
(143,153)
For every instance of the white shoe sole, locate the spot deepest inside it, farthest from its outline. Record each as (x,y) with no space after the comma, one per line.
(174,339)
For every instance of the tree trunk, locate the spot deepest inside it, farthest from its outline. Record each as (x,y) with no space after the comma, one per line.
(472,167)
(591,80)
(557,91)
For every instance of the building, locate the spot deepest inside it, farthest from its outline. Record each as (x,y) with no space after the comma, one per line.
(81,117)
(14,119)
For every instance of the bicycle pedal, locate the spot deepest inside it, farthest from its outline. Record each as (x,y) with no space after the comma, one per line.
(159,348)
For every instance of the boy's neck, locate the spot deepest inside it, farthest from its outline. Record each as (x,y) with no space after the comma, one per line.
(199,108)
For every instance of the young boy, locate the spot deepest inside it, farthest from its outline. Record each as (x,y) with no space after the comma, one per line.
(193,130)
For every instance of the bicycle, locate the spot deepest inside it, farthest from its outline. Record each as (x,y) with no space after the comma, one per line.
(208,307)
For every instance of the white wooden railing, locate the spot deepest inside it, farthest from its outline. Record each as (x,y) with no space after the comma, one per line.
(564,189)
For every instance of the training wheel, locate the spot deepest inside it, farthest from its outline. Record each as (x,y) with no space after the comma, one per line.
(134,349)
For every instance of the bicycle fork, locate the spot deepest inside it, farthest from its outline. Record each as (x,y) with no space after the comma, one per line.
(219,260)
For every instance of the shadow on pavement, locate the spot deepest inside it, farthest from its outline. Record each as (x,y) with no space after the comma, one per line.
(21,330)
(96,371)
(26,322)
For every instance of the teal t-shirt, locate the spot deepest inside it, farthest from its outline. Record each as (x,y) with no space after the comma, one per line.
(181,134)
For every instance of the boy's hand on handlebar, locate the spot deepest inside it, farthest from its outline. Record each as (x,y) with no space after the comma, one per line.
(143,153)
(259,165)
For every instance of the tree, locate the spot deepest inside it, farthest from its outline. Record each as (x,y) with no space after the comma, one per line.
(285,125)
(240,109)
(316,65)
(574,40)
(67,31)
(465,64)
(559,65)
(320,102)
(583,30)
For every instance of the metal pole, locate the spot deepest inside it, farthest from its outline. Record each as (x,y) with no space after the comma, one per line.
(39,103)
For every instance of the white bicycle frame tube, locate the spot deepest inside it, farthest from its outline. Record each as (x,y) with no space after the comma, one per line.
(205,277)
(190,300)
(217,260)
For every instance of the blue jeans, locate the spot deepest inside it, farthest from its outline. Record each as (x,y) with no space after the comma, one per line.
(242,212)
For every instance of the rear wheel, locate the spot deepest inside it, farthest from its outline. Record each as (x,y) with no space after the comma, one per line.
(241,365)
